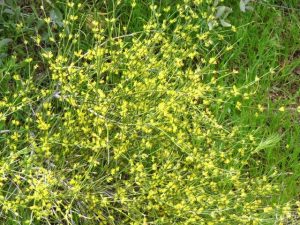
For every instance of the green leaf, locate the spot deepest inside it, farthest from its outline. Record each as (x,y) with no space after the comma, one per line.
(220,11)
(9,11)
(4,42)
(228,10)
(243,5)
(56,16)
(216,2)
(223,12)
(224,23)
(210,25)
(3,55)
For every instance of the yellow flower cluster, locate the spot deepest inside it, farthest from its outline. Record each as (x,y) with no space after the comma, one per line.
(128,132)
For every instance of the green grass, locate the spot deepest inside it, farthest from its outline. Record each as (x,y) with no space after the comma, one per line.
(266,54)
(267,40)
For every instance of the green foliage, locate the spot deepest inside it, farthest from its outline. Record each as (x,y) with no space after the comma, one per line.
(130,112)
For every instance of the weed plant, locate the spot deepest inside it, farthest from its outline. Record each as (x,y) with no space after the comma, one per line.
(129,112)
